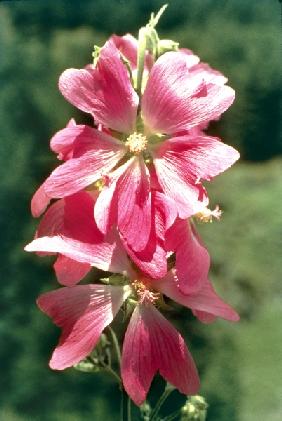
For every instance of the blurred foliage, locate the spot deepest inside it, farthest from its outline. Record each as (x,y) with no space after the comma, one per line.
(238,363)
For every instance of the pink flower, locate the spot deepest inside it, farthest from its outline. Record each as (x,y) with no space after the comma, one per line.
(68,228)
(178,97)
(151,343)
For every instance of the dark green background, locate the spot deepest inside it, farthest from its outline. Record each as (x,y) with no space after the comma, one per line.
(240,365)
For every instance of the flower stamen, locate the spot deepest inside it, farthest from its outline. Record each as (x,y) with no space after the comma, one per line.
(144,294)
(207,215)
(136,143)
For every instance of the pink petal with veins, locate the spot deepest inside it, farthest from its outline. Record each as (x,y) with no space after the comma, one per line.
(182,161)
(39,201)
(63,141)
(134,204)
(152,344)
(82,312)
(68,228)
(205,303)
(151,260)
(95,154)
(176,98)
(192,258)
(69,272)
(105,92)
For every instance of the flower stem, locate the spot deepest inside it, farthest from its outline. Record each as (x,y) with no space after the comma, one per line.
(107,368)
(128,408)
(172,416)
(160,402)
(116,344)
(122,405)
(142,44)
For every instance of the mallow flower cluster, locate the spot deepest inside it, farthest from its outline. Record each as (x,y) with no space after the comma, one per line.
(125,199)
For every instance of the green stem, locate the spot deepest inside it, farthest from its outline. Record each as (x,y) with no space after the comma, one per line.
(112,372)
(108,369)
(122,405)
(116,344)
(172,416)
(142,44)
(128,408)
(160,402)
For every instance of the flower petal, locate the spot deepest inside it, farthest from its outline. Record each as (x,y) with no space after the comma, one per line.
(79,223)
(192,258)
(128,46)
(39,201)
(203,301)
(105,209)
(52,222)
(151,343)
(63,141)
(176,99)
(134,204)
(165,213)
(82,312)
(96,154)
(105,92)
(204,317)
(182,161)
(69,272)
(151,260)
(102,255)
(68,227)
(208,74)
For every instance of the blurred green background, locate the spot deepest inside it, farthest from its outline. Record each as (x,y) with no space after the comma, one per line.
(240,365)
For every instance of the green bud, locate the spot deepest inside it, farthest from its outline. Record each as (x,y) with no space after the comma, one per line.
(195,409)
(167,45)
(95,54)
(145,410)
(199,402)
(88,366)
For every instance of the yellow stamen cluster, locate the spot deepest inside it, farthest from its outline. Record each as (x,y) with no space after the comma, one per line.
(136,143)
(144,294)
(206,215)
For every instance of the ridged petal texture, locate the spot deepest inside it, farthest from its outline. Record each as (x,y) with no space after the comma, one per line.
(205,303)
(83,312)
(177,98)
(126,201)
(152,344)
(105,92)
(181,163)
(68,228)
(94,155)
(192,258)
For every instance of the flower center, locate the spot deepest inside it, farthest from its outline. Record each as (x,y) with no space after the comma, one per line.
(136,143)
(143,292)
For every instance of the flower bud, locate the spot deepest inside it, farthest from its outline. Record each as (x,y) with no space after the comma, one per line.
(195,409)
(167,45)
